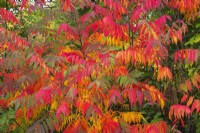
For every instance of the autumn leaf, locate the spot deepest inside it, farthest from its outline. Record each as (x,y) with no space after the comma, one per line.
(8,16)
(109,125)
(190,101)
(64,109)
(184,98)
(196,105)
(164,73)
(44,94)
(132,96)
(179,111)
(134,117)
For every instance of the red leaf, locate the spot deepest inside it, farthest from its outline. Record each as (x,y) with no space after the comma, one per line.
(174,121)
(113,94)
(3,103)
(66,5)
(153,129)
(162,20)
(110,126)
(84,107)
(179,111)
(29,113)
(86,17)
(136,14)
(182,123)
(152,4)
(45,95)
(132,96)
(184,98)
(120,71)
(12,2)
(191,55)
(134,129)
(24,4)
(8,16)
(97,110)
(64,109)
(140,96)
(66,28)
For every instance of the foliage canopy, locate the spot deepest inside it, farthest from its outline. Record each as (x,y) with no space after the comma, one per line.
(99,66)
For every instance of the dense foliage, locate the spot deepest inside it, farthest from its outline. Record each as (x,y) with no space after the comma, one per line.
(106,66)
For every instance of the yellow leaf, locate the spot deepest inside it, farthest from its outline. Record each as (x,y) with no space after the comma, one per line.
(52,78)
(141,116)
(66,82)
(162,103)
(154,34)
(132,117)
(54,105)
(17,94)
(175,39)
(67,49)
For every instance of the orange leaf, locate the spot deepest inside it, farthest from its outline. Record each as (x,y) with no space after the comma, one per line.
(184,98)
(189,85)
(190,101)
(194,82)
(196,105)
(197,77)
(120,71)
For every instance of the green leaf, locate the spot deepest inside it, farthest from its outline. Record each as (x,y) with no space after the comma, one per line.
(11,114)
(3,119)
(194,39)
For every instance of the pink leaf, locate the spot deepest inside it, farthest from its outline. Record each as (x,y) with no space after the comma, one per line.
(86,17)
(136,14)
(179,111)
(132,96)
(140,96)
(97,110)
(113,94)
(45,95)
(66,28)
(63,108)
